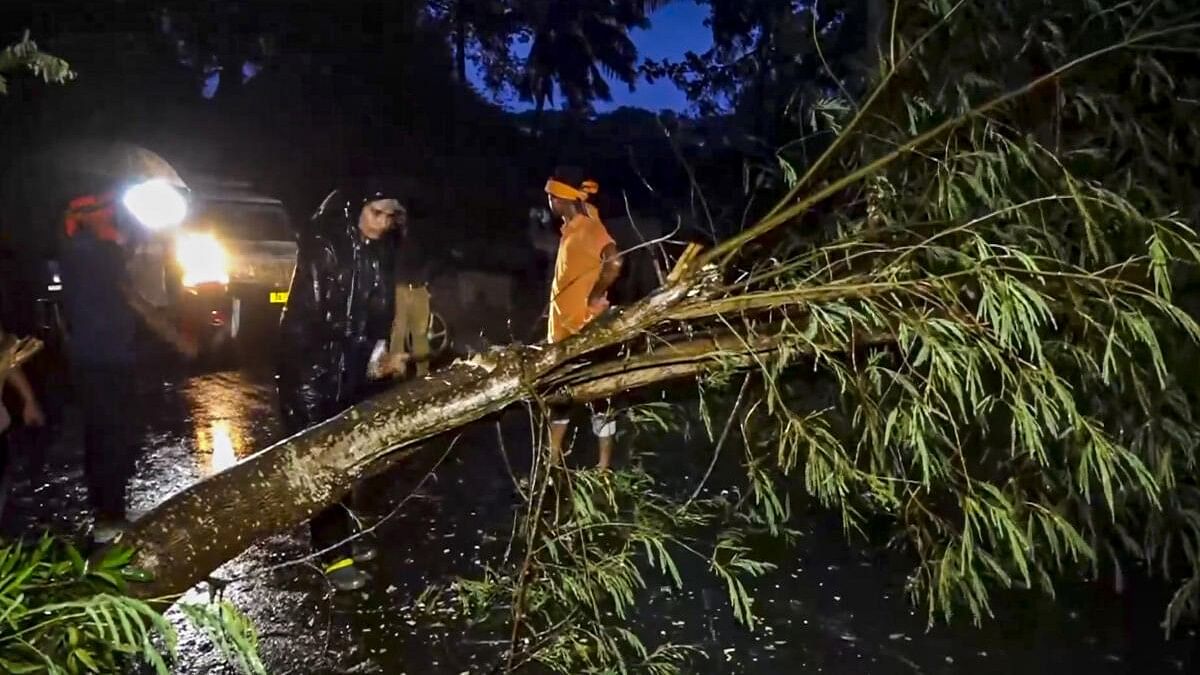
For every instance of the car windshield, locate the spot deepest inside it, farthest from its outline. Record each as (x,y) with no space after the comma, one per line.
(247,221)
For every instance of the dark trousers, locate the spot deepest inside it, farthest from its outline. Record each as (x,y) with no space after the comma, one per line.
(331,526)
(335,523)
(105,398)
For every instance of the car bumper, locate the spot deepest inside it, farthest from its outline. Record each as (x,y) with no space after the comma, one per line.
(214,313)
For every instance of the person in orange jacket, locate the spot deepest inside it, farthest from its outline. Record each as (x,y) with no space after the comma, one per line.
(586,266)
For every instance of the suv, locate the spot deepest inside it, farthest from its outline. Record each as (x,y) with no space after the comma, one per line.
(231,263)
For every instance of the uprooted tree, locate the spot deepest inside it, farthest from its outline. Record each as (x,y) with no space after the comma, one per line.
(983,259)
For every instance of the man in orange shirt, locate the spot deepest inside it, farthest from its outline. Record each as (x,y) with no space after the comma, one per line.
(587,265)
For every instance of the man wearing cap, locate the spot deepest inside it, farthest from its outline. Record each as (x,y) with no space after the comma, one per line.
(102,313)
(585,268)
(335,331)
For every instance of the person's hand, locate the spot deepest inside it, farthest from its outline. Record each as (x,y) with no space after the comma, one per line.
(393,365)
(32,414)
(597,305)
(397,363)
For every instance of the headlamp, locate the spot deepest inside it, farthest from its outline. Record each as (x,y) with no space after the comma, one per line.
(156,204)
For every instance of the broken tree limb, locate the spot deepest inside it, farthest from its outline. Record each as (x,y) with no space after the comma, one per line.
(188,536)
(181,541)
(15,351)
(686,360)
(192,533)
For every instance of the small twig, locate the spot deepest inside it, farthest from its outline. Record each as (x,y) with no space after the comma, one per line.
(541,487)
(846,132)
(785,210)
(507,465)
(697,191)
(720,443)
(816,38)
(530,653)
(317,554)
(633,223)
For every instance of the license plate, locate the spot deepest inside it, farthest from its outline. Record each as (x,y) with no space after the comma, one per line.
(279,297)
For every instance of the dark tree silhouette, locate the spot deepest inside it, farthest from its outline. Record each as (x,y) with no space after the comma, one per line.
(577,43)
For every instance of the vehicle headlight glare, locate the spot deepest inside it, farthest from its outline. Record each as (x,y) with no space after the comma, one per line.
(156,204)
(202,259)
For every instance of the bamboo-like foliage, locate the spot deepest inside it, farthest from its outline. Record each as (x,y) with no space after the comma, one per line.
(582,572)
(63,615)
(985,265)
(25,56)
(1021,244)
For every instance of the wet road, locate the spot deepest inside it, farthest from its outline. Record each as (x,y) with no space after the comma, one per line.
(828,609)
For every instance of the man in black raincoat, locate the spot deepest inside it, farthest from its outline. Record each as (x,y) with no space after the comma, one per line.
(334,330)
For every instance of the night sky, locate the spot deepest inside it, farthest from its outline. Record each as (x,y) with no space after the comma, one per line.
(675,30)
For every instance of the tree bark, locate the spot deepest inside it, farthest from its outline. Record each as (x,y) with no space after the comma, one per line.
(196,530)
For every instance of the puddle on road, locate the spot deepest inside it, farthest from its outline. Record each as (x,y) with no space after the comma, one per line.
(229,416)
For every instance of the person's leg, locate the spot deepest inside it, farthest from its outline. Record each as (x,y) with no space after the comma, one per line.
(105,474)
(606,444)
(329,528)
(604,426)
(418,325)
(559,422)
(30,444)
(93,465)
(98,467)
(109,441)
(335,524)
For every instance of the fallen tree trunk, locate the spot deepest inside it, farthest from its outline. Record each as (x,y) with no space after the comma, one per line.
(196,530)
(189,535)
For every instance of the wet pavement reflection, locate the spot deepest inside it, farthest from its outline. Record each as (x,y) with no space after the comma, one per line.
(830,608)
(226,412)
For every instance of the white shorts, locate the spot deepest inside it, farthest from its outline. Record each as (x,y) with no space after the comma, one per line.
(604,421)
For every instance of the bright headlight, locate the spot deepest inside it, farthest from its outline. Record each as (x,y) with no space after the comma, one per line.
(202,259)
(156,204)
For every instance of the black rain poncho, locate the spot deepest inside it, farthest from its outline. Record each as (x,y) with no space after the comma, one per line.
(341,304)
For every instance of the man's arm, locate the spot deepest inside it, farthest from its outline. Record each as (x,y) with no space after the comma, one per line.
(311,302)
(159,324)
(389,358)
(610,269)
(31,413)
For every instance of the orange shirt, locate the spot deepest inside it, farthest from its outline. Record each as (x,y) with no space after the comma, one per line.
(575,273)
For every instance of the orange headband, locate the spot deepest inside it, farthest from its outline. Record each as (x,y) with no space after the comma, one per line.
(561,190)
(96,213)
